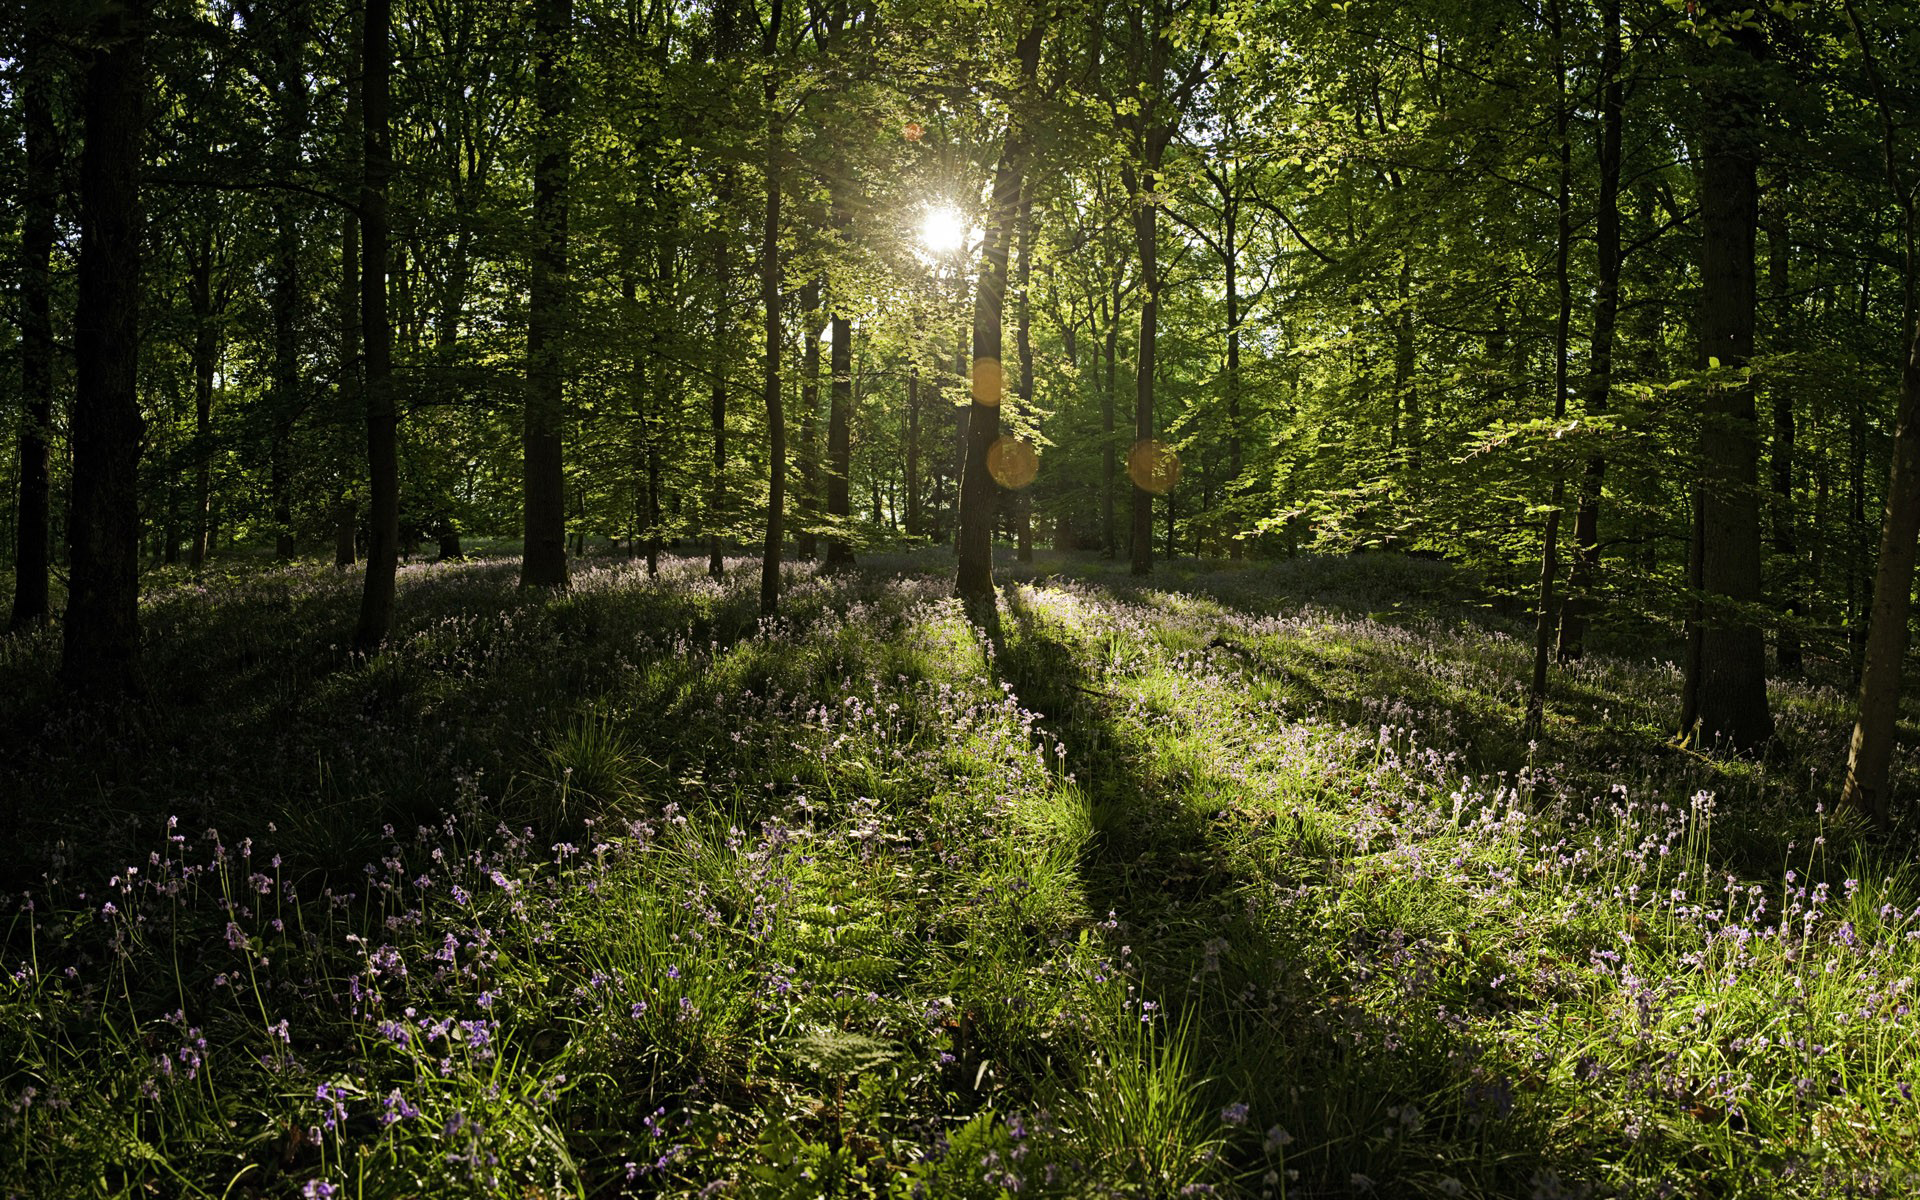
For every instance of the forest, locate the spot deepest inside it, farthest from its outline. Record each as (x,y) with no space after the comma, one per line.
(959,598)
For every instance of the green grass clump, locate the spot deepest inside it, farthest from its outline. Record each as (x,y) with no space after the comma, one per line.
(1247,887)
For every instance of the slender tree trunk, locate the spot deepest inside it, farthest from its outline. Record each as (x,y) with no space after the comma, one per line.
(770,302)
(352,387)
(1109,401)
(205,362)
(1230,259)
(1562,329)
(1787,640)
(544,554)
(291,34)
(102,637)
(665,285)
(1726,692)
(717,400)
(1606,311)
(808,505)
(840,443)
(33,548)
(383,418)
(1146,231)
(1023,340)
(978,490)
(913,450)
(1870,752)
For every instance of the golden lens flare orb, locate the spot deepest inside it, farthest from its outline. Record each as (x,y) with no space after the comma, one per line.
(989,381)
(1013,463)
(913,130)
(1153,466)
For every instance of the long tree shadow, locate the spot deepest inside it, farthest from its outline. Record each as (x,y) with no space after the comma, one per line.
(1354,1095)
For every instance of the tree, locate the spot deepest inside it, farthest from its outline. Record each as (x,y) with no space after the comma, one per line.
(376,335)
(1725,688)
(102,636)
(974,580)
(32,550)
(544,562)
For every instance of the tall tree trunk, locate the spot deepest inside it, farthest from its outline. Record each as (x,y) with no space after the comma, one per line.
(1787,640)
(33,548)
(1562,330)
(1726,690)
(544,555)
(913,449)
(1023,340)
(1109,402)
(376,334)
(978,490)
(352,389)
(770,302)
(1606,311)
(102,636)
(291,33)
(205,362)
(839,443)
(808,500)
(1870,751)
(1146,232)
(1229,256)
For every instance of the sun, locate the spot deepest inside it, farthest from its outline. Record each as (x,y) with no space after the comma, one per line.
(943,230)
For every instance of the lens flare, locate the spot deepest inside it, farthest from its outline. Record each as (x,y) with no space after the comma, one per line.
(989,382)
(1013,463)
(1153,466)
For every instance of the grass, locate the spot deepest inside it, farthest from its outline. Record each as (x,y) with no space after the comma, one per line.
(1240,882)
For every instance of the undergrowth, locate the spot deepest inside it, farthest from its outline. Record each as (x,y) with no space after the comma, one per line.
(1245,886)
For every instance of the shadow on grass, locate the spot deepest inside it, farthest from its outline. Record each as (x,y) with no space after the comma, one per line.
(1402,1097)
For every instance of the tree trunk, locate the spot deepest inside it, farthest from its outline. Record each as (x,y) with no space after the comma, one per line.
(770,302)
(1870,752)
(352,388)
(205,362)
(807,504)
(291,38)
(840,444)
(978,490)
(1109,402)
(1146,232)
(913,449)
(1787,640)
(376,335)
(1229,256)
(544,553)
(1726,688)
(1562,330)
(102,637)
(1606,310)
(33,550)
(1023,340)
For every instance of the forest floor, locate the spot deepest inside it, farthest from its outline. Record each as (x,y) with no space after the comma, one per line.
(1236,881)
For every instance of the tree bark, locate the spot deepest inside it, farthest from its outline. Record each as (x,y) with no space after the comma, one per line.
(770,303)
(376,334)
(1562,330)
(290,31)
(913,449)
(1109,402)
(1023,340)
(978,490)
(1787,639)
(33,549)
(1146,232)
(839,444)
(544,554)
(807,502)
(1606,311)
(1725,698)
(102,637)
